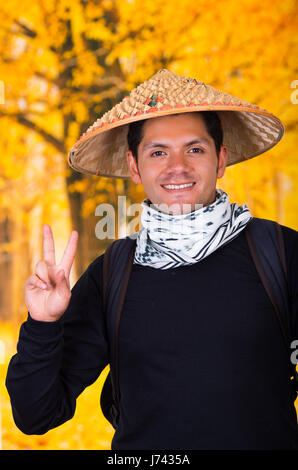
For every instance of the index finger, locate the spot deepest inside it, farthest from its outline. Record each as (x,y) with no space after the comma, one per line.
(69,253)
(48,245)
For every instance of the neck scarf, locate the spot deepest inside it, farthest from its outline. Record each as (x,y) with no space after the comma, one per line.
(169,241)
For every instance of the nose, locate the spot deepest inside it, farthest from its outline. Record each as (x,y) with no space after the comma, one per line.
(177,162)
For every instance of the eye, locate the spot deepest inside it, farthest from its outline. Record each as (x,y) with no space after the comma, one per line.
(157,153)
(196,150)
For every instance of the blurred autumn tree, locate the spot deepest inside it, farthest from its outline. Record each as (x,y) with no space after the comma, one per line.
(66,62)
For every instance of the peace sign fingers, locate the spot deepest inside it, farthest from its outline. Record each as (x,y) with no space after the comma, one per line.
(47,292)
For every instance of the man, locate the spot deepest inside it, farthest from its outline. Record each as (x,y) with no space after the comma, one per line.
(202,359)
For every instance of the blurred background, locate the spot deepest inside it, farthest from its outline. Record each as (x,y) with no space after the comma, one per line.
(63,63)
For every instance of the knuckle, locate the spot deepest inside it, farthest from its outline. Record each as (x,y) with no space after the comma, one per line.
(32,280)
(41,268)
(39,265)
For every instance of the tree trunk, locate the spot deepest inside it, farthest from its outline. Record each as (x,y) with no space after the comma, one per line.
(5,273)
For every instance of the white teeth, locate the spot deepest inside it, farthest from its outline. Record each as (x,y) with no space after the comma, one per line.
(177,186)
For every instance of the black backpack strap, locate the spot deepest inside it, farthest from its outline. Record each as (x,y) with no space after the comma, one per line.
(117,265)
(265,241)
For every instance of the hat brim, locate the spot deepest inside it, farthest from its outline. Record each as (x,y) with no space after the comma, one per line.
(248,132)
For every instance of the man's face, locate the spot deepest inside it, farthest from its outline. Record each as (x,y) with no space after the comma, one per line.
(177,150)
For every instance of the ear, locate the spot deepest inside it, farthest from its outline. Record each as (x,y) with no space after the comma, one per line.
(133,168)
(222,161)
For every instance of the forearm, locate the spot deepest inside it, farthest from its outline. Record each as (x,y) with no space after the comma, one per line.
(39,394)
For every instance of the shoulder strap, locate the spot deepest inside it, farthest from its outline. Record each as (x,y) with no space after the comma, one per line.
(117,265)
(266,245)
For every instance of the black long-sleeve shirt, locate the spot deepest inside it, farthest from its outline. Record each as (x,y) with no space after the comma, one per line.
(202,359)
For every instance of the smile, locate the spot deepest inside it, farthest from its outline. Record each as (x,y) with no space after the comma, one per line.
(178,186)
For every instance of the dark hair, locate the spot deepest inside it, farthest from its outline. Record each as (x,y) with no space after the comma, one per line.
(211,120)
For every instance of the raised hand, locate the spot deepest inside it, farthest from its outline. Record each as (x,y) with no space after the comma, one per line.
(47,291)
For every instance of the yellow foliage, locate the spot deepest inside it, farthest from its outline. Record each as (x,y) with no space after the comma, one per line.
(64,63)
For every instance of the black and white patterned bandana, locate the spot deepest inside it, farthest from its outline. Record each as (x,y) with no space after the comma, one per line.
(169,241)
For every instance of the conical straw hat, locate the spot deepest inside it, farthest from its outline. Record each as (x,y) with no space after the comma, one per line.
(248,130)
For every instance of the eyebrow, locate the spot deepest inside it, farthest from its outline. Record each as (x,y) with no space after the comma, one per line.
(200,140)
